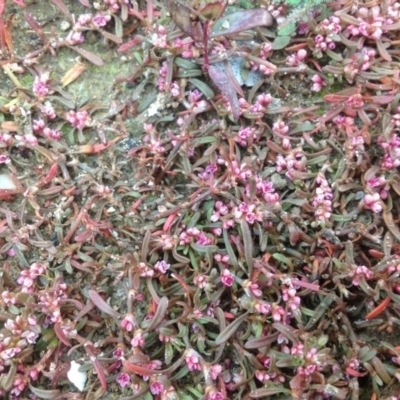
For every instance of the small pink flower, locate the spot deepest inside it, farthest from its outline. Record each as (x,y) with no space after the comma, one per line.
(129,322)
(78,119)
(296,59)
(53,134)
(263,308)
(373,202)
(48,110)
(215,370)
(138,339)
(318,83)
(359,272)
(38,125)
(4,159)
(74,38)
(28,139)
(156,388)
(161,266)
(41,85)
(118,353)
(193,362)
(175,89)
(200,281)
(101,20)
(216,396)
(123,379)
(227,278)
(84,19)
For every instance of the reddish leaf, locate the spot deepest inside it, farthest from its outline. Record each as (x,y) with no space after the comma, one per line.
(101,304)
(182,15)
(93,58)
(221,80)
(61,6)
(128,45)
(61,335)
(384,99)
(35,26)
(241,21)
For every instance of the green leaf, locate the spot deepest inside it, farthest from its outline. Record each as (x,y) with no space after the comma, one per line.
(281,42)
(204,88)
(287,30)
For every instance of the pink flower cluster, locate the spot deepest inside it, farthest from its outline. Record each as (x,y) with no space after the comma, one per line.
(208,172)
(186,47)
(129,322)
(265,376)
(138,339)
(50,303)
(144,270)
(391,147)
(318,83)
(78,119)
(372,22)
(296,59)
(265,189)
(262,103)
(162,266)
(324,39)
(294,161)
(41,85)
(26,328)
(196,234)
(245,135)
(241,171)
(220,211)
(264,53)
(28,276)
(372,202)
(193,360)
(248,212)
(281,129)
(114,5)
(290,298)
(159,37)
(359,272)
(359,62)
(322,200)
(227,278)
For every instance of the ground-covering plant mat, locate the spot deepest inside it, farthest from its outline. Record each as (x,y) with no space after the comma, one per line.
(199,199)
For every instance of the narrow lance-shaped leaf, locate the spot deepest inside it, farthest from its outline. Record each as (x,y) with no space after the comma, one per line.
(93,58)
(98,367)
(45,394)
(264,392)
(35,26)
(137,369)
(248,245)
(159,315)
(230,330)
(7,380)
(287,331)
(232,256)
(61,6)
(61,335)
(319,312)
(102,305)
(388,218)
